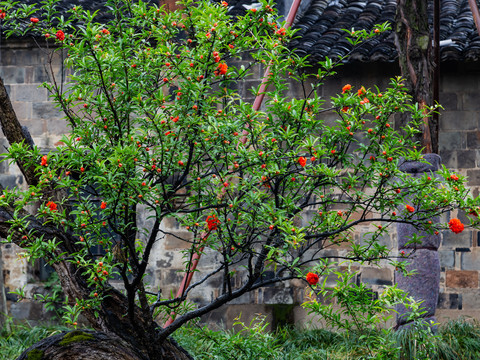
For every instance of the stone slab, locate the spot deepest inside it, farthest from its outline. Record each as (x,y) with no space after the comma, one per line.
(405,232)
(424,285)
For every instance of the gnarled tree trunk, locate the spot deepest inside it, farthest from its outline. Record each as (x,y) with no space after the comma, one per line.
(89,345)
(115,317)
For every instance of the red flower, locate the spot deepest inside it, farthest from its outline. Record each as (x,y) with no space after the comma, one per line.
(302,161)
(103,205)
(44,160)
(456,226)
(52,206)
(364,101)
(410,208)
(34,20)
(2,14)
(224,3)
(212,222)
(106,32)
(221,69)
(60,35)
(346,88)
(361,91)
(312,278)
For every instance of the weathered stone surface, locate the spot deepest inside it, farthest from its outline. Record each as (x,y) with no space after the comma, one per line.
(447,258)
(405,232)
(449,158)
(471,260)
(466,158)
(459,120)
(449,100)
(429,321)
(449,301)
(452,240)
(452,140)
(432,163)
(377,276)
(276,295)
(424,285)
(179,240)
(471,300)
(461,279)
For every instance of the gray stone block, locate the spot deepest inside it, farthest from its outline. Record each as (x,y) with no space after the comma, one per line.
(452,140)
(473,177)
(424,285)
(471,260)
(10,181)
(35,127)
(470,101)
(12,74)
(452,240)
(23,110)
(449,158)
(471,300)
(274,295)
(447,258)
(377,276)
(473,139)
(58,126)
(30,93)
(467,159)
(458,120)
(40,74)
(449,301)
(20,310)
(449,101)
(45,110)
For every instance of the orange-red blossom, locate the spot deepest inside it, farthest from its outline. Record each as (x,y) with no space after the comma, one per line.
(221,69)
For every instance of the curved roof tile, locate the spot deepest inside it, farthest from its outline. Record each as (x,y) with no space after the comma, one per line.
(321,23)
(320,27)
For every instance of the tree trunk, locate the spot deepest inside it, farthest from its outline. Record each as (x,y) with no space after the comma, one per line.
(116,317)
(89,345)
(415,57)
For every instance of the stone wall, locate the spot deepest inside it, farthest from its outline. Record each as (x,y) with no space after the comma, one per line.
(22,67)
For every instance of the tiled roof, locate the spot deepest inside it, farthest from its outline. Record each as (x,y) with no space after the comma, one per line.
(320,30)
(320,27)
(91,5)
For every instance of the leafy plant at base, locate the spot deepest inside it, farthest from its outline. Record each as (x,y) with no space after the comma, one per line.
(158,125)
(250,341)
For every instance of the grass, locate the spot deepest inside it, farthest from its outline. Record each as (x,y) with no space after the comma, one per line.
(459,339)
(22,336)
(454,340)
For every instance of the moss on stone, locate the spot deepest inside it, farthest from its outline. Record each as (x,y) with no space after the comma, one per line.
(35,354)
(75,336)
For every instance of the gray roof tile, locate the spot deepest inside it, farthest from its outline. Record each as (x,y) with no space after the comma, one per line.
(320,30)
